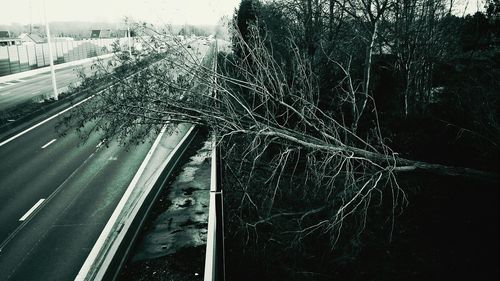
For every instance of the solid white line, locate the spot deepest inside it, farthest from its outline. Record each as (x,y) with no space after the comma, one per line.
(54,116)
(4,94)
(99,244)
(44,121)
(49,143)
(93,265)
(28,213)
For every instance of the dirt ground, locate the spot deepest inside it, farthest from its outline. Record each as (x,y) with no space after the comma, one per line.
(172,245)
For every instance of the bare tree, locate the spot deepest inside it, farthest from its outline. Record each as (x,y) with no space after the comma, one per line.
(418,40)
(271,128)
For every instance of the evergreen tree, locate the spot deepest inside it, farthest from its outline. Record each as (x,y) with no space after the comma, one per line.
(247,15)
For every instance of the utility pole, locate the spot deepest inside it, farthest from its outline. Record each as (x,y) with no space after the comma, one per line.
(129,42)
(51,59)
(31,18)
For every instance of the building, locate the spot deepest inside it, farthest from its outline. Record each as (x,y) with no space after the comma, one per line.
(100,33)
(6,39)
(32,38)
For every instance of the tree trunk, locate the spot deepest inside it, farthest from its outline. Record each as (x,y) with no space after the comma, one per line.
(308,28)
(367,76)
(411,165)
(390,161)
(330,20)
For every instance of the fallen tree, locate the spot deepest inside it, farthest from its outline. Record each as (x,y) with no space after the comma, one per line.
(266,119)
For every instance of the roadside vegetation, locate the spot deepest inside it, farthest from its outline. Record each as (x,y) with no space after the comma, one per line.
(351,132)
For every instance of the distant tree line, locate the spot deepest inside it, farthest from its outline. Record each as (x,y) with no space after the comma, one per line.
(413,38)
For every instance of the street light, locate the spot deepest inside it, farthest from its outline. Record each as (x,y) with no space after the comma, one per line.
(52,71)
(129,43)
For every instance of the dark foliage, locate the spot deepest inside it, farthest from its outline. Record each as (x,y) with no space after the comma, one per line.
(433,92)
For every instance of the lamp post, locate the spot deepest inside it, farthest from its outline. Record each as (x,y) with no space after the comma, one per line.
(129,40)
(52,71)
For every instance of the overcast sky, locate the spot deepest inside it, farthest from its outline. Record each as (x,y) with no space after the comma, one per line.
(154,11)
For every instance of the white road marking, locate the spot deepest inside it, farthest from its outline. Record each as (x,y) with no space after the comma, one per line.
(43,122)
(30,211)
(21,80)
(34,93)
(52,117)
(112,158)
(58,189)
(4,94)
(49,143)
(104,236)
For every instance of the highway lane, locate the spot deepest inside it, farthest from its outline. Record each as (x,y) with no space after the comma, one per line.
(55,199)
(35,87)
(26,164)
(81,185)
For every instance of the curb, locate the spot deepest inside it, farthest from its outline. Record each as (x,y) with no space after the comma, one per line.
(112,247)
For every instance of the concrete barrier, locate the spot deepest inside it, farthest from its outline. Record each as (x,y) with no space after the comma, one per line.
(115,242)
(29,73)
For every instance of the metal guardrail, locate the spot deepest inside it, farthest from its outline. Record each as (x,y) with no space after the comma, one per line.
(215,259)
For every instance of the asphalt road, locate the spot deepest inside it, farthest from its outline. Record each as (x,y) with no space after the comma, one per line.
(80,185)
(34,88)
(56,194)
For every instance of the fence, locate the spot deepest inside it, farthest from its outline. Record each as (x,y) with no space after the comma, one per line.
(15,59)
